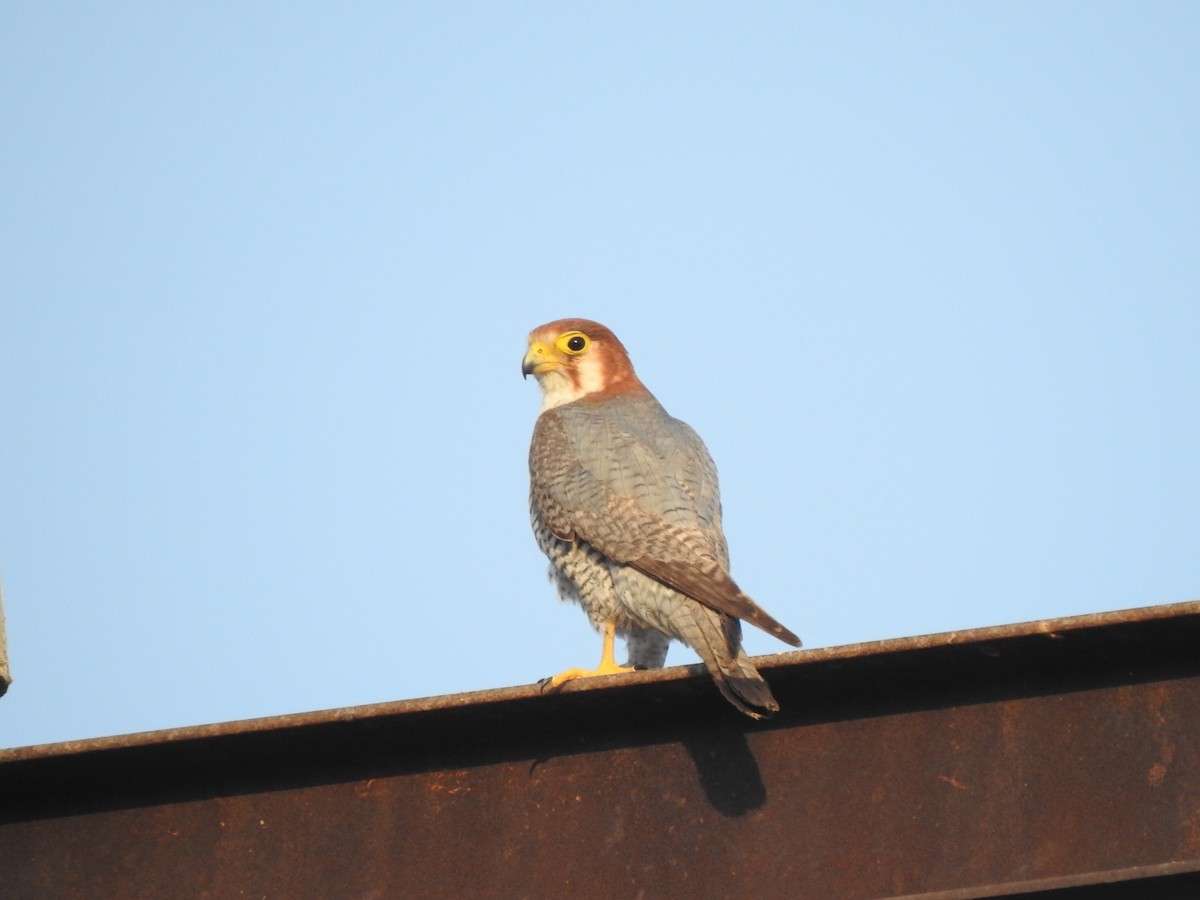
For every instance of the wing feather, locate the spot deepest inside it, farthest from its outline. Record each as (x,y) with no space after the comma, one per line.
(641,488)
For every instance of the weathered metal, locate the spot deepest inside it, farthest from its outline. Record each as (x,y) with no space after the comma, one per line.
(1057,758)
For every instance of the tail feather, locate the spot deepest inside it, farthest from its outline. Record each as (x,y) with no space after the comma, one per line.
(749,693)
(716,637)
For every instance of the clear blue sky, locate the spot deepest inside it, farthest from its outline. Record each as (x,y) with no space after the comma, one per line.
(926,277)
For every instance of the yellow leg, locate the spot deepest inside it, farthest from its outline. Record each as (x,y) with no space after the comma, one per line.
(608,662)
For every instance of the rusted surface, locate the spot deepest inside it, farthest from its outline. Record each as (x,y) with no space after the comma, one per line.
(1056,759)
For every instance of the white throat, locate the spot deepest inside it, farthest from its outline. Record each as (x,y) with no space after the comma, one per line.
(558,388)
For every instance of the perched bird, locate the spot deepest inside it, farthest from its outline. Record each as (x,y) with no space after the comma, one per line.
(624,502)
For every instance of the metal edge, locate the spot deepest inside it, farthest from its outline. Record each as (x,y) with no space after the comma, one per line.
(1061,882)
(1053,628)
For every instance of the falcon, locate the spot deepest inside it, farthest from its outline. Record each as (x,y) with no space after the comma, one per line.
(624,502)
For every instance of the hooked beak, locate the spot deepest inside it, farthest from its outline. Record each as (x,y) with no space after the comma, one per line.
(538,360)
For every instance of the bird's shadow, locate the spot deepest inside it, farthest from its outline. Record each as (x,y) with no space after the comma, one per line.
(727,771)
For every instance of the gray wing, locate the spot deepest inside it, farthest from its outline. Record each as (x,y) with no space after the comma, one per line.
(641,488)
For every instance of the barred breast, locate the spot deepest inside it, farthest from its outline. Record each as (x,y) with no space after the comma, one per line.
(582,575)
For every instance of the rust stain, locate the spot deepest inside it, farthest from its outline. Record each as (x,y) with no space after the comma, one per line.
(982,763)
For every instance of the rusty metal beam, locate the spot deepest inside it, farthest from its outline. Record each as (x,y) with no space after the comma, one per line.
(1057,759)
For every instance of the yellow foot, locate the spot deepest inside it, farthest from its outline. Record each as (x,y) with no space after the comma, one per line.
(571,674)
(608,663)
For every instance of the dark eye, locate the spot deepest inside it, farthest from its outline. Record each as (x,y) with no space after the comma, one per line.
(576,343)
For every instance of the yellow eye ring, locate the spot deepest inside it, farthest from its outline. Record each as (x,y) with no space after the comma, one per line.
(573,343)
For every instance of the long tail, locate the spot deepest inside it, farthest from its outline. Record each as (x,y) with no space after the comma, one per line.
(717,637)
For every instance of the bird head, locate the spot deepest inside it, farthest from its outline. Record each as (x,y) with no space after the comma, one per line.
(577,358)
